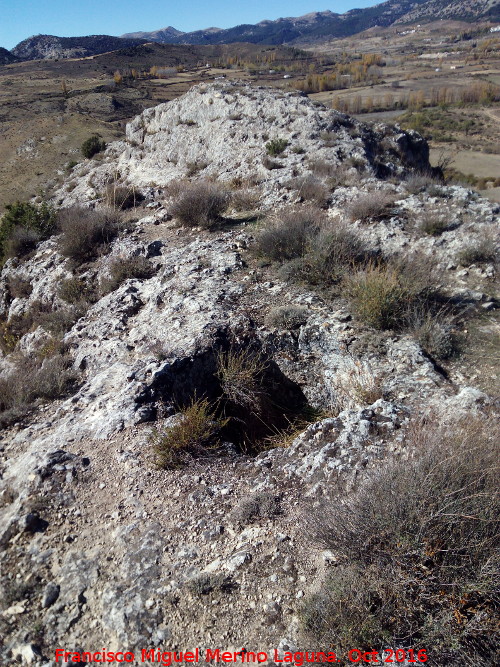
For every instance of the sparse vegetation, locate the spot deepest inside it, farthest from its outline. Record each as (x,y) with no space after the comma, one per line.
(312,247)
(370,205)
(480,252)
(240,373)
(310,189)
(121,197)
(124,269)
(287,317)
(201,204)
(34,379)
(417,548)
(259,506)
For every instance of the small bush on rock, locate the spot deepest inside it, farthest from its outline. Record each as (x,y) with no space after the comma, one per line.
(201,204)
(288,236)
(124,269)
(310,189)
(121,197)
(276,147)
(86,233)
(287,317)
(383,296)
(480,252)
(261,505)
(240,373)
(195,434)
(370,205)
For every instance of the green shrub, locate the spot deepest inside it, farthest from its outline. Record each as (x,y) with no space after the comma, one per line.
(276,147)
(195,434)
(124,269)
(92,146)
(417,549)
(76,290)
(23,226)
(200,204)
(86,233)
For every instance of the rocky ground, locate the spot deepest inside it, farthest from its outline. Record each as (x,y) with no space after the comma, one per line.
(102,548)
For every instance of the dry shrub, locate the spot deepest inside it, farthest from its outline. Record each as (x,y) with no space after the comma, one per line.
(270,164)
(40,313)
(386,296)
(200,204)
(480,252)
(310,189)
(22,241)
(245,200)
(357,384)
(332,252)
(371,205)
(418,551)
(260,505)
(418,182)
(87,233)
(124,269)
(76,291)
(195,434)
(288,235)
(35,378)
(287,317)
(435,334)
(208,582)
(434,222)
(19,288)
(323,168)
(121,197)
(241,374)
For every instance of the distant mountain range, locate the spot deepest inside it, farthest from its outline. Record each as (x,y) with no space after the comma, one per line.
(310,28)
(318,26)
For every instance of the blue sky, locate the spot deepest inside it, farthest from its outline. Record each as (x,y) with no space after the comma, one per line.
(68,18)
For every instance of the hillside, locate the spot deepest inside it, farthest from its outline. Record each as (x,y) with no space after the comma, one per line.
(237,393)
(6,57)
(41,47)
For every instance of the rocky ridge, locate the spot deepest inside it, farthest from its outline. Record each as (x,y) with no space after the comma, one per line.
(110,548)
